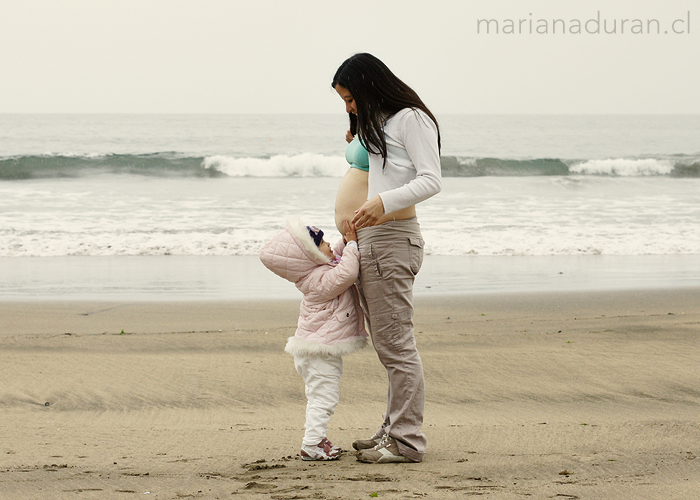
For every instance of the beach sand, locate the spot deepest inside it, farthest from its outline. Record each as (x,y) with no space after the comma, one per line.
(531,395)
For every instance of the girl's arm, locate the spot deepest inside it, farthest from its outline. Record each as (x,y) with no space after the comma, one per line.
(349,235)
(335,280)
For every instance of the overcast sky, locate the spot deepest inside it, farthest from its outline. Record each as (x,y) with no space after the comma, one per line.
(276,56)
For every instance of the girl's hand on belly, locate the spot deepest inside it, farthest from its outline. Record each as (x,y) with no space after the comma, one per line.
(349,232)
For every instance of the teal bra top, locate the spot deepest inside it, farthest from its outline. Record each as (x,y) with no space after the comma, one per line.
(356,155)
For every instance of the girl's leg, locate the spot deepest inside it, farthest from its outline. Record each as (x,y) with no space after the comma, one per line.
(321,376)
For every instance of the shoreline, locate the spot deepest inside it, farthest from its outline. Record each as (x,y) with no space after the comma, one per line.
(69,316)
(577,395)
(205,278)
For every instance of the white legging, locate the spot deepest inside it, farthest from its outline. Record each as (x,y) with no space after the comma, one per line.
(321,375)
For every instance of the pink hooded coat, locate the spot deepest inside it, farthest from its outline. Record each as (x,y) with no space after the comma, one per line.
(330,319)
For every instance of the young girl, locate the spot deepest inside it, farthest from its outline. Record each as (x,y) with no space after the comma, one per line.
(402,138)
(330,324)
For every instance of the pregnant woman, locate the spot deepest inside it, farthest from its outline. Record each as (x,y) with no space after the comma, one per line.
(352,192)
(403,142)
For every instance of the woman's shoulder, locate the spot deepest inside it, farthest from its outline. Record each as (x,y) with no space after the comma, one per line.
(409,115)
(403,113)
(407,118)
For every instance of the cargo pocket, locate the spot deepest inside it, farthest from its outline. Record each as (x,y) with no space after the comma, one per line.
(415,253)
(369,264)
(401,331)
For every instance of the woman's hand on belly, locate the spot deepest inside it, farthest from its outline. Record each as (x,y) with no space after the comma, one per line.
(369,213)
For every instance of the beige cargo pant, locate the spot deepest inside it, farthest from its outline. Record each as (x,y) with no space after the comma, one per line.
(391,255)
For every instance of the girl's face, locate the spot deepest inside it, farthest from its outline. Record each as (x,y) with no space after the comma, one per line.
(345,95)
(326,249)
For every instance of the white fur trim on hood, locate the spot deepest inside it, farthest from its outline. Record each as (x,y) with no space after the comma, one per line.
(301,233)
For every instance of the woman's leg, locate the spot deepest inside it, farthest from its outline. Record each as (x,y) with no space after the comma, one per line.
(391,257)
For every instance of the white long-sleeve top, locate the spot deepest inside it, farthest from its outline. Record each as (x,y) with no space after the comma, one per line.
(412,173)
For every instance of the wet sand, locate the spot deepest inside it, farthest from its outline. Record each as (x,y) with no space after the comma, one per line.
(530,395)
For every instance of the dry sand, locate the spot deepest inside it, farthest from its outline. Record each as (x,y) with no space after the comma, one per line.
(591,396)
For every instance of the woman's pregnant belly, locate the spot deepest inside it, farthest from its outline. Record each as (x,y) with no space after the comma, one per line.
(352,193)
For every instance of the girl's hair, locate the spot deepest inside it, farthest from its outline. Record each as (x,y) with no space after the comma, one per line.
(378,94)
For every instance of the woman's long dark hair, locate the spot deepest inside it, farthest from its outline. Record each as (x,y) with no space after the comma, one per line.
(353,123)
(378,94)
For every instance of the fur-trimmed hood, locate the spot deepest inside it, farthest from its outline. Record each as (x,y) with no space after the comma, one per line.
(292,254)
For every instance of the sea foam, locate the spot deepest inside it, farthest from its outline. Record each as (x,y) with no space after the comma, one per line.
(624,167)
(301,165)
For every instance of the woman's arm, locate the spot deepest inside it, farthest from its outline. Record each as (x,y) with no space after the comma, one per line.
(418,135)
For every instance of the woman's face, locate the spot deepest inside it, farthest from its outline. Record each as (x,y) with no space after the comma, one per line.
(345,95)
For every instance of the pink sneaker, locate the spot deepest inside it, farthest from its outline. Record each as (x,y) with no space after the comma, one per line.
(322,451)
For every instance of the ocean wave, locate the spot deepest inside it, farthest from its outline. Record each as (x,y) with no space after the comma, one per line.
(81,165)
(675,166)
(456,166)
(624,167)
(171,164)
(302,165)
